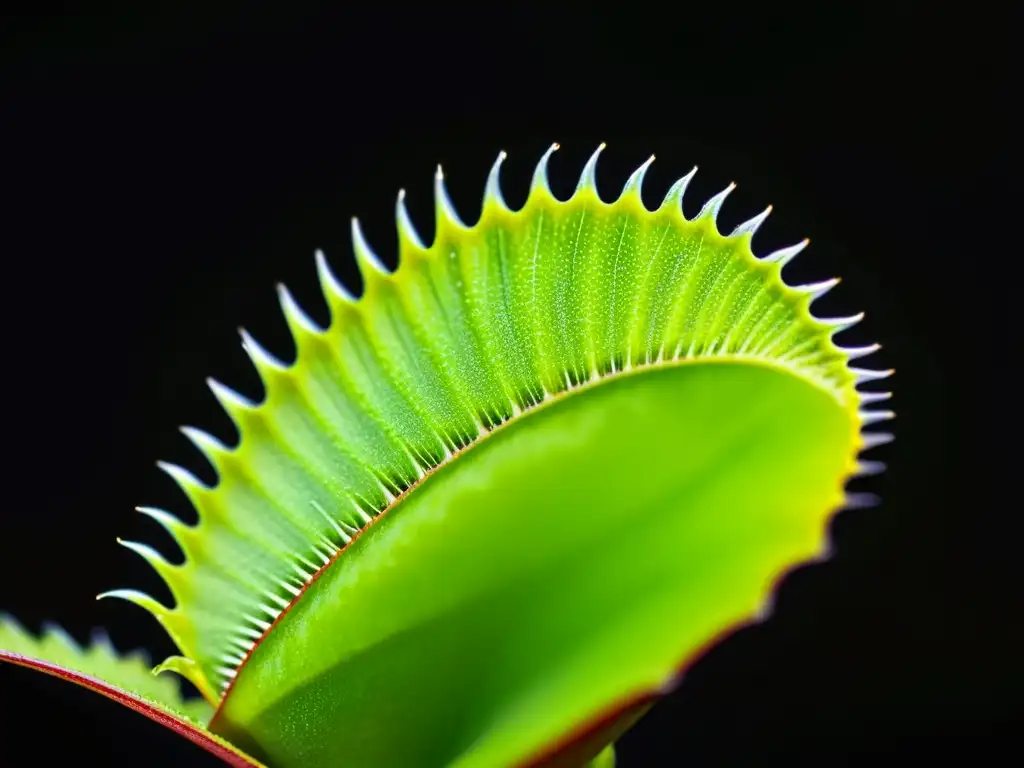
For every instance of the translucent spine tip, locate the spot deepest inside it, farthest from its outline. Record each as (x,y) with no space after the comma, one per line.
(853,353)
(634,184)
(817,290)
(190,485)
(785,255)
(407,234)
(170,523)
(874,439)
(492,192)
(588,178)
(874,397)
(265,363)
(446,215)
(840,324)
(141,599)
(158,562)
(299,323)
(330,286)
(539,183)
(208,445)
(675,194)
(750,226)
(713,206)
(233,403)
(862,375)
(370,266)
(874,417)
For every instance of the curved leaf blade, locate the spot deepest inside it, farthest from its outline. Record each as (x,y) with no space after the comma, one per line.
(573,560)
(126,679)
(481,326)
(479,336)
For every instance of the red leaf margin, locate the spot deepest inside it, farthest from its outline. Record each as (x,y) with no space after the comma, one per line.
(199,736)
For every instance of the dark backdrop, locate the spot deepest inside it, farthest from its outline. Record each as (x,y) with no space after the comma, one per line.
(161,170)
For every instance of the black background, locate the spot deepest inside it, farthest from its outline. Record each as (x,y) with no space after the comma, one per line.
(161,170)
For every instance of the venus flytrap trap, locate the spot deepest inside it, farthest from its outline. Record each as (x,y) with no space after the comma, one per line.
(505,497)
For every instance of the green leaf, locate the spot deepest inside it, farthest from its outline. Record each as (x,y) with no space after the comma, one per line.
(569,562)
(126,679)
(511,491)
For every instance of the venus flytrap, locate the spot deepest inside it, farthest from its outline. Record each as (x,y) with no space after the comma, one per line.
(505,497)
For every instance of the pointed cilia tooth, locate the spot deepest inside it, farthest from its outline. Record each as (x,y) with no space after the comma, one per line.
(862,374)
(634,184)
(860,501)
(329,546)
(252,633)
(407,234)
(100,636)
(868,468)
(539,182)
(267,610)
(873,417)
(674,196)
(299,323)
(234,659)
(369,264)
(714,205)
(817,290)
(840,324)
(170,523)
(750,226)
(325,554)
(257,622)
(767,607)
(852,353)
(179,665)
(208,445)
(305,574)
(167,571)
(874,439)
(446,213)
(866,398)
(146,552)
(234,404)
(330,520)
(290,588)
(264,361)
(492,192)
(785,255)
(54,631)
(330,286)
(189,483)
(588,178)
(241,643)
(313,567)
(141,599)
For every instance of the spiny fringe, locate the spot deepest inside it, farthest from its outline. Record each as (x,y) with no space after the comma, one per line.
(281,591)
